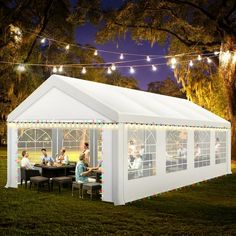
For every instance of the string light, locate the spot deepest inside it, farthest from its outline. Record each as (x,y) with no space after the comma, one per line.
(199,57)
(54,69)
(191,63)
(60,69)
(43,40)
(209,60)
(83,70)
(216,53)
(109,71)
(154,68)
(21,68)
(131,70)
(121,56)
(148,59)
(95,52)
(67,47)
(113,66)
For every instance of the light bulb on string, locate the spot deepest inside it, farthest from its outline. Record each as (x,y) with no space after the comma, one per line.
(95,52)
(113,66)
(148,59)
(109,70)
(121,56)
(209,60)
(216,53)
(60,69)
(173,61)
(83,70)
(154,68)
(21,68)
(54,69)
(43,40)
(191,63)
(67,47)
(225,56)
(131,70)
(199,57)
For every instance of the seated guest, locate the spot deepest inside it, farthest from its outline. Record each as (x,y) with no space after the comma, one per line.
(81,172)
(197,151)
(25,161)
(86,152)
(137,165)
(45,159)
(62,158)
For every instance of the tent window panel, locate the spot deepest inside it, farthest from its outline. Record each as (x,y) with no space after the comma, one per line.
(73,141)
(201,148)
(176,150)
(141,153)
(220,147)
(33,140)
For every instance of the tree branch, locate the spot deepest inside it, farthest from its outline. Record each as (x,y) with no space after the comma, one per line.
(44,24)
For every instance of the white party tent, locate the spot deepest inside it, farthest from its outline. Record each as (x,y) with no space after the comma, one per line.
(149,143)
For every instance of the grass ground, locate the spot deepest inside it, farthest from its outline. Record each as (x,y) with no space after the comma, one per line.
(205,209)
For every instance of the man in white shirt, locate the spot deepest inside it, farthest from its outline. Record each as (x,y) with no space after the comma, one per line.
(137,165)
(25,160)
(63,158)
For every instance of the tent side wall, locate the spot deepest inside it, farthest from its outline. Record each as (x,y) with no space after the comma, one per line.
(162,181)
(12,170)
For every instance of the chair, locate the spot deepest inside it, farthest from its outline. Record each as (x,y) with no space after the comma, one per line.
(39,181)
(77,185)
(92,188)
(60,181)
(27,173)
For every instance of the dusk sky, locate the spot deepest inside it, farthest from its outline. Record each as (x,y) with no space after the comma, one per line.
(86,35)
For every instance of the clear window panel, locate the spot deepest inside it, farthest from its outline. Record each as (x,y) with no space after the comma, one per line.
(141,153)
(73,141)
(220,147)
(176,150)
(201,148)
(33,140)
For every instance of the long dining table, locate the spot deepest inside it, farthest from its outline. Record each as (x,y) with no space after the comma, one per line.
(55,171)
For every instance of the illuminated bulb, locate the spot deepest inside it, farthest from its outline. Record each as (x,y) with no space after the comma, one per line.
(199,57)
(67,47)
(173,61)
(173,66)
(109,71)
(216,53)
(95,53)
(60,69)
(43,40)
(148,59)
(113,66)
(83,70)
(131,70)
(209,60)
(21,68)
(226,56)
(121,56)
(191,63)
(154,68)
(54,69)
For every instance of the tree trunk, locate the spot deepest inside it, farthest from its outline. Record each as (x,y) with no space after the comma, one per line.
(227,69)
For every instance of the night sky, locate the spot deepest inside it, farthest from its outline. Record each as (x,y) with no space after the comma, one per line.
(86,35)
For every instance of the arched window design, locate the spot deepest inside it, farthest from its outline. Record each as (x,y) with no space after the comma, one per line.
(73,140)
(176,150)
(33,140)
(220,147)
(141,153)
(201,148)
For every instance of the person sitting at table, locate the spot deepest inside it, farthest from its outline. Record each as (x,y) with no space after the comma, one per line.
(62,158)
(45,159)
(81,172)
(137,165)
(25,161)
(86,152)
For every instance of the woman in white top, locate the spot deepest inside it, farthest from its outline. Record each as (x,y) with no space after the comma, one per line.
(86,152)
(63,158)
(25,161)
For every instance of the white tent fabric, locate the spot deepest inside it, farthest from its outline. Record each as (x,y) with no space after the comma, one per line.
(62,98)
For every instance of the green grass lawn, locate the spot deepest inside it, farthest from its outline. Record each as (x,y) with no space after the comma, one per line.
(205,209)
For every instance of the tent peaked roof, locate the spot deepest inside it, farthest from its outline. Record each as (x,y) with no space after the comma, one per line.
(64,98)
